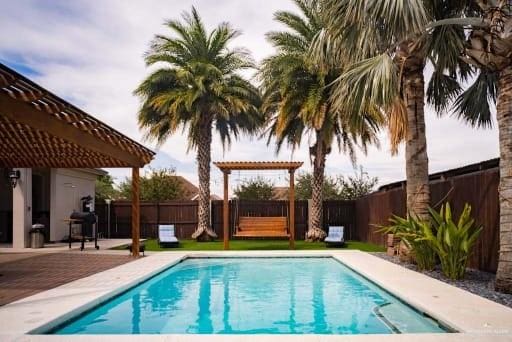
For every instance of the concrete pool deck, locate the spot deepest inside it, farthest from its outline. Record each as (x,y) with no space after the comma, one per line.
(476,318)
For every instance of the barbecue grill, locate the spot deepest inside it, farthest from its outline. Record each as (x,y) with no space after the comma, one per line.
(86,220)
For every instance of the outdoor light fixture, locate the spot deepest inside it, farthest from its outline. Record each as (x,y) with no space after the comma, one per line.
(14,175)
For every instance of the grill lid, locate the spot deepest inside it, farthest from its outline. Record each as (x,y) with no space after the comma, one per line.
(86,217)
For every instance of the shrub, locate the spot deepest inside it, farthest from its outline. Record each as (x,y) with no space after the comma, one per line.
(439,238)
(255,189)
(452,241)
(412,232)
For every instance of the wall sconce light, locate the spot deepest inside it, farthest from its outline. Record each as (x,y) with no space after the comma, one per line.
(14,175)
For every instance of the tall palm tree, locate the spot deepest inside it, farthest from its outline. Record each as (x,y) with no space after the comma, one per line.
(388,46)
(297,101)
(489,49)
(196,88)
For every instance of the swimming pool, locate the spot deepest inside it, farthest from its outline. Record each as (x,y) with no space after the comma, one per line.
(313,295)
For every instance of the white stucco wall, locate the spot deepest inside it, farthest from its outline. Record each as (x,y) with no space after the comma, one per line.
(22,209)
(67,187)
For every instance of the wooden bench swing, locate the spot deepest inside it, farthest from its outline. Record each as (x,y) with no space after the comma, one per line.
(248,226)
(274,226)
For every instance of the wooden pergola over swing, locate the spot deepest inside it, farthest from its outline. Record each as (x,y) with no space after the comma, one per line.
(269,227)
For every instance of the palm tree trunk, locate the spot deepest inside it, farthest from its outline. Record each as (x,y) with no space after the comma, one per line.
(204,231)
(315,232)
(504,116)
(418,192)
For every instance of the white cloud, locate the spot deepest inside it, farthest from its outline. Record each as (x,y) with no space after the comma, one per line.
(90,52)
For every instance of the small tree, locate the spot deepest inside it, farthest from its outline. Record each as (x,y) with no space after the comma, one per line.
(255,189)
(353,187)
(337,187)
(304,187)
(159,185)
(105,188)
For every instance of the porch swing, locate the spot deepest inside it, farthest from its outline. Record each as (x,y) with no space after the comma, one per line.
(259,227)
(272,226)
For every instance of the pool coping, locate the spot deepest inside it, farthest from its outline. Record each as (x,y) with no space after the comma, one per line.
(471,315)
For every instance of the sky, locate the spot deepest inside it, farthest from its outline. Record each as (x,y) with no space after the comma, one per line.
(90,52)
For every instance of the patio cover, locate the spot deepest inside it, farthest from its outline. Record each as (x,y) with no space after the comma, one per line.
(39,129)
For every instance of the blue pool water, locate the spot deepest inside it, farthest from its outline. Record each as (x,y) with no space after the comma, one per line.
(253,296)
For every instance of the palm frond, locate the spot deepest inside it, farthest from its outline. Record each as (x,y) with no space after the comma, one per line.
(295,23)
(397,124)
(373,82)
(441,91)
(473,105)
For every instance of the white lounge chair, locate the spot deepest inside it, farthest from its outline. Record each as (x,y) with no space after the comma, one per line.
(167,236)
(335,236)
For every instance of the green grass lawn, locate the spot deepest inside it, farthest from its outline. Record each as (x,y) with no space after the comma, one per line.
(252,245)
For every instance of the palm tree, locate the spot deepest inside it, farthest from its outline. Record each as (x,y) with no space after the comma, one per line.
(195,88)
(297,101)
(388,46)
(489,49)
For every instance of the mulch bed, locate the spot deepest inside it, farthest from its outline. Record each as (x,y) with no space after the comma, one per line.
(477,282)
(24,277)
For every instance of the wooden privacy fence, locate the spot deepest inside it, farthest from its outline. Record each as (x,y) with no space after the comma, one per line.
(183,214)
(340,213)
(479,189)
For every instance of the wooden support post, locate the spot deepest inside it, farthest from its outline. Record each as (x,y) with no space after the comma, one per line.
(135,211)
(292,209)
(225,211)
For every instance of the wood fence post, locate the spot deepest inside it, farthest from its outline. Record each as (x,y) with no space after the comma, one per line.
(135,211)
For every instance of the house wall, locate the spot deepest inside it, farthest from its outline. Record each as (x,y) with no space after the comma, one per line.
(22,209)
(67,187)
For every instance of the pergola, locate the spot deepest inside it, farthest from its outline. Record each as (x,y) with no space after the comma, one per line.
(39,129)
(227,167)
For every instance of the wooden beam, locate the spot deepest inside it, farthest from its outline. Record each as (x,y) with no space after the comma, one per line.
(6,80)
(269,165)
(225,211)
(135,211)
(25,113)
(292,208)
